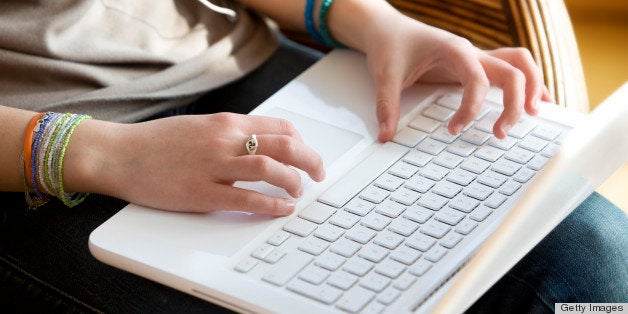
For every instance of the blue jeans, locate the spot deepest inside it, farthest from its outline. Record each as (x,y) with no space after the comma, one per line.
(45,264)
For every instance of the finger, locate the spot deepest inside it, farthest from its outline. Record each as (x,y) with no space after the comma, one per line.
(236,199)
(254,124)
(262,168)
(289,151)
(387,96)
(512,81)
(522,59)
(476,86)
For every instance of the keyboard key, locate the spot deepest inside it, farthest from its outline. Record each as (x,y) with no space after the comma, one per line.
(424,124)
(404,282)
(420,184)
(388,240)
(344,220)
(373,253)
(375,221)
(495,200)
(404,227)
(461,148)
(448,160)
(360,234)
(537,162)
(403,169)
(345,247)
(329,261)
(314,275)
(503,144)
(438,113)
(420,242)
(373,308)
(466,226)
(522,127)
(480,213)
(278,238)
(461,177)
(432,201)
(509,188)
(246,265)
(449,216)
(342,280)
(324,294)
(475,165)
(435,254)
(418,213)
(405,196)
(519,155)
(442,134)
(281,272)
(506,167)
(375,282)
(329,232)
(435,229)
(477,191)
(420,268)
(464,203)
(317,212)
(388,296)
(489,153)
(358,266)
(486,123)
(300,227)
(492,179)
(450,240)
(546,132)
(447,189)
(390,208)
(550,150)
(409,137)
(417,158)
(431,146)
(533,143)
(262,251)
(314,246)
(476,137)
(405,254)
(434,172)
(354,300)
(388,182)
(374,194)
(523,175)
(451,101)
(359,207)
(274,256)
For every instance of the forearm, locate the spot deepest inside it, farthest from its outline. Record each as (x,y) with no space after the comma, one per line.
(351,22)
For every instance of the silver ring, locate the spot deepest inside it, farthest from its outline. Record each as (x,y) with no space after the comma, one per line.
(251,145)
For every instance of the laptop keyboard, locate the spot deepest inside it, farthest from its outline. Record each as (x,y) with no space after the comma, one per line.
(404,210)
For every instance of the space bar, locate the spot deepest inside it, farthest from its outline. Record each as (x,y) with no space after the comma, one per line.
(360,176)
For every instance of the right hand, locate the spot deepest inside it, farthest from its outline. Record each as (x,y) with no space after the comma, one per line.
(189,163)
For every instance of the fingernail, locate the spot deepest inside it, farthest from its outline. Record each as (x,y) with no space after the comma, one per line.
(290,206)
(506,127)
(457,128)
(300,192)
(383,127)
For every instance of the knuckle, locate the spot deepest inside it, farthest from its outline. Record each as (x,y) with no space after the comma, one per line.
(287,127)
(288,146)
(262,164)
(246,202)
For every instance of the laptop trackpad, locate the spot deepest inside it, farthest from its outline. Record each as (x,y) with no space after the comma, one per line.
(209,232)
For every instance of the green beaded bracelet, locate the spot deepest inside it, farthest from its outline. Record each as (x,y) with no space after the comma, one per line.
(324,29)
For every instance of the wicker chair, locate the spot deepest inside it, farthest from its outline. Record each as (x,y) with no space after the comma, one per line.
(542,26)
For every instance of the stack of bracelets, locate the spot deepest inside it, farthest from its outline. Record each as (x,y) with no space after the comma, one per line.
(321,35)
(45,143)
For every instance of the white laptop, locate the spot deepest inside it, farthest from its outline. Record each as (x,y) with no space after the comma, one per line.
(393,225)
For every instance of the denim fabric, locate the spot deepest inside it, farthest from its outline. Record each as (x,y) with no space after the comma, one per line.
(45,264)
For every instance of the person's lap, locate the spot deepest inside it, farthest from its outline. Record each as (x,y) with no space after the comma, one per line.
(45,261)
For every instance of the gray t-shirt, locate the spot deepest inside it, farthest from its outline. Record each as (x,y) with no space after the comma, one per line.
(122,60)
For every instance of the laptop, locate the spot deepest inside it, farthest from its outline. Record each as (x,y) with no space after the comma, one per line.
(426,222)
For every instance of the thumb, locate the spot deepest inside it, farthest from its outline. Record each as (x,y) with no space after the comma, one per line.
(387,102)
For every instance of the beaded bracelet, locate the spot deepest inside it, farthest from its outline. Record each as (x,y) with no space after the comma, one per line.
(322,25)
(43,157)
(309,22)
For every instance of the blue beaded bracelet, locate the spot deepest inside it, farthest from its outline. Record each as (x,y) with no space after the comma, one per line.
(309,22)
(322,22)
